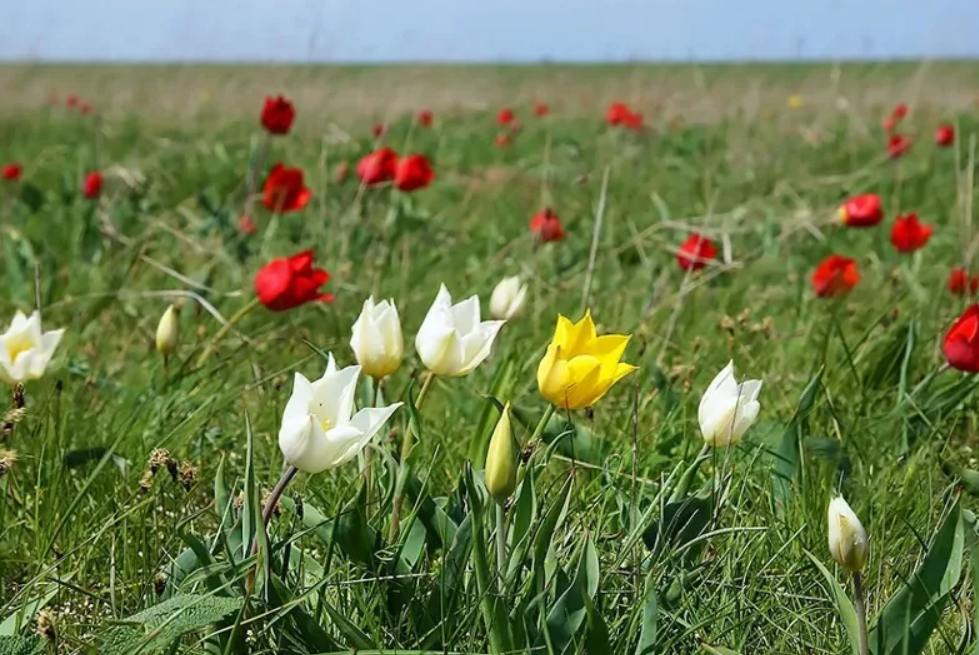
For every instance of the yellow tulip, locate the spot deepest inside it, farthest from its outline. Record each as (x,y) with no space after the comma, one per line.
(579,366)
(794,101)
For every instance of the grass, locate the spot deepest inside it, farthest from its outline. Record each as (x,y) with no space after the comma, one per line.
(86,531)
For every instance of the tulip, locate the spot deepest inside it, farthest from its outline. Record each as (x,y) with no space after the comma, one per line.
(794,101)
(847,538)
(12,172)
(835,275)
(579,367)
(167,332)
(378,130)
(944,136)
(92,186)
(541,109)
(412,173)
(900,111)
(377,341)
(501,460)
(425,118)
(26,351)
(961,344)
(289,282)
(960,283)
(319,429)
(909,234)
(452,341)
(71,101)
(504,117)
(861,211)
(547,226)
(633,121)
(728,409)
(377,167)
(502,141)
(284,190)
(898,145)
(695,253)
(616,113)
(277,115)
(507,299)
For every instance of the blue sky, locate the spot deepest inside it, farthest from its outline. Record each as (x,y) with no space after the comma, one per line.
(485,30)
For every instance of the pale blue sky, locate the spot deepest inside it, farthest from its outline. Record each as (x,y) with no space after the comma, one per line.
(485,30)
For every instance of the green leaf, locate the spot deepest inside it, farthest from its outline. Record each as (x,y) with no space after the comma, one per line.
(502,388)
(912,613)
(596,637)
(650,613)
(31,196)
(569,611)
(682,522)
(356,538)
(31,645)
(25,614)
(788,454)
(848,615)
(155,628)
(717,650)
(356,638)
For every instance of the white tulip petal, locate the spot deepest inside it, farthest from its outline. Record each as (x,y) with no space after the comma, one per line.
(465,315)
(333,396)
(367,422)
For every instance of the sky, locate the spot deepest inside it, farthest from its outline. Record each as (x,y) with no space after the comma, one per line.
(485,30)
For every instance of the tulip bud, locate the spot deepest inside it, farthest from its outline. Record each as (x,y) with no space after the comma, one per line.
(847,538)
(377,341)
(508,298)
(727,409)
(167,332)
(501,460)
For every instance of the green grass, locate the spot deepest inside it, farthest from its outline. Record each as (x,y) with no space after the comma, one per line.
(78,529)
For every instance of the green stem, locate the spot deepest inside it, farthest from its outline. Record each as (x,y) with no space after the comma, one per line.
(684,483)
(240,314)
(861,609)
(534,439)
(501,559)
(369,452)
(406,446)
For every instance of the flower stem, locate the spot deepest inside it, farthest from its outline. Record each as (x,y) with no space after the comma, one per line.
(534,439)
(240,314)
(369,452)
(406,446)
(280,486)
(861,609)
(684,484)
(501,553)
(253,174)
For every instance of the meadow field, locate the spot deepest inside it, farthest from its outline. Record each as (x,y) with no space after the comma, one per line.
(539,486)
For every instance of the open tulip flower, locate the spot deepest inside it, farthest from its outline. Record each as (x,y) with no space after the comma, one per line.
(277,115)
(910,234)
(696,252)
(377,341)
(961,345)
(319,428)
(377,167)
(579,366)
(836,275)
(26,351)
(547,226)
(412,173)
(284,190)
(861,211)
(728,409)
(452,340)
(289,282)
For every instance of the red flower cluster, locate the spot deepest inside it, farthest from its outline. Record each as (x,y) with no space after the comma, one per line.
(278,115)
(408,173)
(619,114)
(288,282)
(547,226)
(12,172)
(696,252)
(835,276)
(909,234)
(284,190)
(961,345)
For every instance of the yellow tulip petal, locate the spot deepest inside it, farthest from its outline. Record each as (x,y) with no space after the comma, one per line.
(553,375)
(563,332)
(610,347)
(587,387)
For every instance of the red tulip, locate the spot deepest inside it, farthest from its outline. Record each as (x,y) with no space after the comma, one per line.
(289,282)
(85,108)
(504,117)
(284,190)
(961,345)
(413,172)
(547,226)
(378,130)
(278,115)
(898,145)
(900,111)
(425,118)
(377,167)
(541,109)
(12,172)
(246,225)
(92,186)
(835,275)
(695,253)
(502,141)
(633,121)
(861,211)
(961,284)
(72,101)
(890,124)
(909,234)
(944,136)
(616,113)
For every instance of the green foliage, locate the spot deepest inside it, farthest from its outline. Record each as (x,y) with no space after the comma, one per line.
(154,629)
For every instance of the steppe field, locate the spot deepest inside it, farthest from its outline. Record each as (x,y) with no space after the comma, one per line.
(433,360)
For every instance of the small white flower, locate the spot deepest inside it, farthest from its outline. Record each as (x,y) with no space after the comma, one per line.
(452,341)
(167,332)
(508,298)
(319,429)
(377,341)
(728,409)
(847,538)
(26,351)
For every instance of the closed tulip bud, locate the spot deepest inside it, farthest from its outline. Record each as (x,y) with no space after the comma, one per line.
(167,332)
(377,341)
(508,298)
(727,408)
(501,460)
(452,340)
(847,538)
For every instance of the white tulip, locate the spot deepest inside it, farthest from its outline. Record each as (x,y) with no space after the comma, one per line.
(847,538)
(728,409)
(25,351)
(508,298)
(452,341)
(167,332)
(319,429)
(377,341)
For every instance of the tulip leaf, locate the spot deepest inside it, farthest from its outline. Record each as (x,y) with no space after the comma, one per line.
(717,650)
(523,517)
(502,387)
(912,613)
(682,522)
(568,613)
(596,637)
(650,616)
(445,597)
(788,454)
(356,538)
(313,635)
(848,615)
(31,196)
